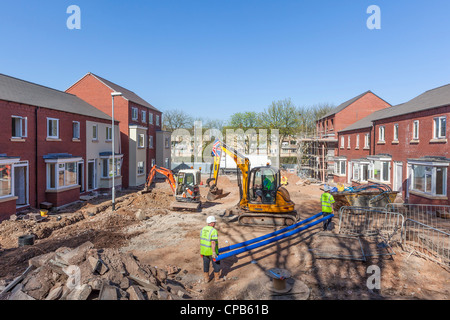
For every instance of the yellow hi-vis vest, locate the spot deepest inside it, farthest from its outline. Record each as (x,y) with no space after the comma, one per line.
(207,235)
(327,201)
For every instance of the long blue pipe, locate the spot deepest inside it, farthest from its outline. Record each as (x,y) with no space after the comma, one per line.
(263,243)
(270,235)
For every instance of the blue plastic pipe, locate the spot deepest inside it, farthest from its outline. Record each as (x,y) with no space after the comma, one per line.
(263,243)
(270,235)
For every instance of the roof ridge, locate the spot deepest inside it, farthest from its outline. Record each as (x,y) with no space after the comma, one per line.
(37,84)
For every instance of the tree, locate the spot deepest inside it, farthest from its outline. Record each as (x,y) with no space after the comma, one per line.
(245,120)
(176,119)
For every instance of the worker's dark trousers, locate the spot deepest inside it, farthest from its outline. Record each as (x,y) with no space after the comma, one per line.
(207,260)
(326,223)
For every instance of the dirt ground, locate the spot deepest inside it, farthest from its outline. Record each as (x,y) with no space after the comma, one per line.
(144,226)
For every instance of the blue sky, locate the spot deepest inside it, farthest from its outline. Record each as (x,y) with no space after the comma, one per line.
(212,58)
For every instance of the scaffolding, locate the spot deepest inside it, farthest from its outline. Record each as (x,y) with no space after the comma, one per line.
(315,157)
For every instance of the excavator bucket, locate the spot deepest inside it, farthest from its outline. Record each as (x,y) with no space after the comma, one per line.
(215,194)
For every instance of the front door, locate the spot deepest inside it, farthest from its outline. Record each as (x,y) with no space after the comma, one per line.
(21,184)
(398,176)
(91,175)
(81,175)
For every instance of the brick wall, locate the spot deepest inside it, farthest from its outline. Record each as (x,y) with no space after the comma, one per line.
(94,92)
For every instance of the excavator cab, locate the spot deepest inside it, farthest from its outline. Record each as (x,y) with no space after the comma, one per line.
(187,188)
(263,185)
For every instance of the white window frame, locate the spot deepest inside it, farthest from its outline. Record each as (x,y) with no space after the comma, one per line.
(348,142)
(57,169)
(382,169)
(76,133)
(157,120)
(382,134)
(433,174)
(342,142)
(396,132)
(357,142)
(57,128)
(340,164)
(134,114)
(23,127)
(416,125)
(140,167)
(144,116)
(367,141)
(95,132)
(108,160)
(141,140)
(437,127)
(108,133)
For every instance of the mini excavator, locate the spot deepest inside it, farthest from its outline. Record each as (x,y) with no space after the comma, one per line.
(185,187)
(263,199)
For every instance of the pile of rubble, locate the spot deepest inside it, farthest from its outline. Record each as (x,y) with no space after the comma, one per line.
(86,273)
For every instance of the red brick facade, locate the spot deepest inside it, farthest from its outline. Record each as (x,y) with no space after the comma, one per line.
(95,92)
(403,150)
(36,145)
(357,110)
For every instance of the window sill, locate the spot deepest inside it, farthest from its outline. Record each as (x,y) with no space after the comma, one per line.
(53,139)
(380,182)
(17,139)
(8,198)
(414,141)
(381,142)
(140,174)
(76,140)
(110,178)
(339,175)
(366,148)
(427,196)
(438,140)
(95,140)
(62,189)
(108,141)
(395,142)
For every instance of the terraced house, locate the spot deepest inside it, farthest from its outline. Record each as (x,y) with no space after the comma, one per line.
(53,146)
(139,124)
(407,148)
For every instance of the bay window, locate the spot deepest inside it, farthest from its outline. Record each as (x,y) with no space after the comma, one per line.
(5,180)
(379,169)
(62,173)
(429,178)
(340,165)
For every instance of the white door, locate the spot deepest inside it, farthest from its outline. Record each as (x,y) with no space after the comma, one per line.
(349,173)
(398,176)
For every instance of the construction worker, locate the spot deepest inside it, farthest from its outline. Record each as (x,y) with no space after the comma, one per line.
(209,249)
(327,201)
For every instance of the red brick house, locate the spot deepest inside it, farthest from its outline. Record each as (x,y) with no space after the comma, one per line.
(409,148)
(139,121)
(348,113)
(42,145)
(338,119)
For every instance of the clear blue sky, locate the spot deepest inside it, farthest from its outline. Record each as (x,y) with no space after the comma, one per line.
(212,58)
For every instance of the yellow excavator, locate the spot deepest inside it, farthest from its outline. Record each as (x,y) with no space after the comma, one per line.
(263,199)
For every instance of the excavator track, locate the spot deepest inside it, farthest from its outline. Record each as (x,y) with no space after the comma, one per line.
(268,219)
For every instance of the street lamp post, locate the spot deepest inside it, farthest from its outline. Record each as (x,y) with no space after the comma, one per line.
(114,94)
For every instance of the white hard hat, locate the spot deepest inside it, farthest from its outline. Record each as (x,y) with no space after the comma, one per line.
(210,219)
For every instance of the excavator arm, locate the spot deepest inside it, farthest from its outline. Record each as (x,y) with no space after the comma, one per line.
(166,172)
(242,162)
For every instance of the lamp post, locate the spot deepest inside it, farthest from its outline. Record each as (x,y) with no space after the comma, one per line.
(114,94)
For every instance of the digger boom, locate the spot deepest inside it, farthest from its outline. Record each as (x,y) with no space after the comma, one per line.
(166,172)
